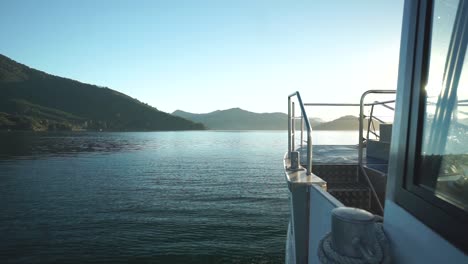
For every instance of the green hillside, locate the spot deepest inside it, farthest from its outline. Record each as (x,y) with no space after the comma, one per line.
(34,100)
(239,119)
(348,122)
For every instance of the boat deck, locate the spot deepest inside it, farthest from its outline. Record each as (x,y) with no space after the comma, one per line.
(341,155)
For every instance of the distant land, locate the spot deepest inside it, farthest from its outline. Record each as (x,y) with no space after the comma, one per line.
(34,100)
(348,122)
(239,119)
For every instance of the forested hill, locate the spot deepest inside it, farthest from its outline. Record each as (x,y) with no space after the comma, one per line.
(34,100)
(347,122)
(239,119)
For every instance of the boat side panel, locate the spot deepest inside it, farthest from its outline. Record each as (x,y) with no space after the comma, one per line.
(299,216)
(413,242)
(321,205)
(290,249)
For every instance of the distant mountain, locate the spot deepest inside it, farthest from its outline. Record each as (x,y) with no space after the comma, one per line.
(239,119)
(34,100)
(348,122)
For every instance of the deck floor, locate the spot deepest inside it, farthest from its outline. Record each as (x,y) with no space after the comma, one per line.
(341,154)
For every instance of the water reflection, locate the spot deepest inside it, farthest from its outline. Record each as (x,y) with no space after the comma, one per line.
(198,197)
(34,145)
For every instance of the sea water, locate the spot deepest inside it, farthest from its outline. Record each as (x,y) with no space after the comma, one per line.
(146,197)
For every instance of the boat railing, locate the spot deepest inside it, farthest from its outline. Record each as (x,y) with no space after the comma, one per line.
(370,123)
(305,124)
(371,129)
(292,129)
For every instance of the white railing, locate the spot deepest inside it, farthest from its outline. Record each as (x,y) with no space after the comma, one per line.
(292,129)
(305,122)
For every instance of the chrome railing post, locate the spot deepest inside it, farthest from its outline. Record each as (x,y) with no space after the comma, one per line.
(302,131)
(361,117)
(289,127)
(293,127)
(309,134)
(309,153)
(370,122)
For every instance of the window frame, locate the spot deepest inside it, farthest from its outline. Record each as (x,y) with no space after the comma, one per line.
(441,216)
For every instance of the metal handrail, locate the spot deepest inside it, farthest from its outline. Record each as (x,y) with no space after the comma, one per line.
(361,117)
(376,118)
(291,125)
(306,122)
(329,104)
(380,103)
(361,121)
(370,123)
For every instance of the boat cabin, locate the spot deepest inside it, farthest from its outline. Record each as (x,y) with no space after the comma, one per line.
(400,193)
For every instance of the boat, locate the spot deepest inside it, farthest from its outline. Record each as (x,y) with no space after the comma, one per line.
(400,194)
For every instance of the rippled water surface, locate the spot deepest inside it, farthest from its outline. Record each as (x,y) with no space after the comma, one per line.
(162,197)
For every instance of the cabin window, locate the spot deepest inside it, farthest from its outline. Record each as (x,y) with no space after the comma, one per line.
(443,162)
(434,185)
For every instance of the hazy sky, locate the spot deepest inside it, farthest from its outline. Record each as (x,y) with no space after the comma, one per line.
(201,56)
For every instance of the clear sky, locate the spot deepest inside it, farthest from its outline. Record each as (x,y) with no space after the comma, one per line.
(201,56)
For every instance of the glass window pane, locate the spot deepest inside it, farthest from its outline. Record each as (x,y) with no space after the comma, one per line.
(444,151)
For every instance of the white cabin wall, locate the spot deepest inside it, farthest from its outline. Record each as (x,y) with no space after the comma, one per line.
(321,205)
(414,242)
